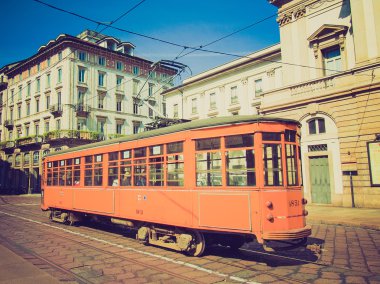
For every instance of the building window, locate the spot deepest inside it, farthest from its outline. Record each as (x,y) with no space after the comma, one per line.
(194,109)
(47,124)
(28,90)
(164,106)
(150,112)
(36,129)
(135,87)
(12,96)
(60,55)
(212,101)
(119,65)
(101,77)
(36,157)
(136,106)
(38,85)
(81,75)
(81,124)
(19,111)
(150,90)
(37,105)
(82,56)
(102,60)
(136,127)
(258,87)
(175,110)
(59,100)
(48,62)
(234,96)
(47,102)
(58,124)
(38,67)
(119,128)
(47,80)
(27,130)
(19,93)
(118,104)
(80,98)
(317,126)
(101,101)
(119,82)
(136,70)
(59,76)
(332,60)
(28,108)
(101,126)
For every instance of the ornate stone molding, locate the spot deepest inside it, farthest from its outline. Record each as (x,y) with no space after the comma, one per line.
(271,72)
(291,16)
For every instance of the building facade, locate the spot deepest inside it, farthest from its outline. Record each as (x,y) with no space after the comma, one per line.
(74,90)
(325,73)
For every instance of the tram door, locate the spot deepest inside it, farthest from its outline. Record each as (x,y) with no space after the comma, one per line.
(320,180)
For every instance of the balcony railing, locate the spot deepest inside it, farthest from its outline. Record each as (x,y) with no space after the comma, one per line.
(72,134)
(7,144)
(82,110)
(29,140)
(56,110)
(9,124)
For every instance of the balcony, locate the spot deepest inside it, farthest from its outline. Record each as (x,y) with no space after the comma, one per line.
(56,110)
(9,124)
(82,110)
(7,145)
(73,135)
(28,141)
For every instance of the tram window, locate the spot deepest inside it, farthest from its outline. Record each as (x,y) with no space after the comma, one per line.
(113,176)
(62,163)
(69,162)
(207,144)
(241,168)
(88,159)
(155,150)
(139,172)
(55,176)
(290,135)
(98,175)
(209,169)
(239,141)
(126,154)
(175,147)
(49,165)
(126,173)
(49,177)
(76,175)
(140,152)
(156,170)
(175,175)
(113,156)
(98,158)
(55,164)
(271,136)
(88,175)
(77,161)
(272,165)
(62,176)
(291,164)
(69,176)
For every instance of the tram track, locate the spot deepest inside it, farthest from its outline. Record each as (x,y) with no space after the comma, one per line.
(106,233)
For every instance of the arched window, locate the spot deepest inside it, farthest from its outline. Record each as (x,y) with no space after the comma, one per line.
(26,159)
(18,160)
(36,157)
(317,126)
(10,160)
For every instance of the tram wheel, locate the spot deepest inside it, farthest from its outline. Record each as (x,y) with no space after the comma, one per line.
(199,244)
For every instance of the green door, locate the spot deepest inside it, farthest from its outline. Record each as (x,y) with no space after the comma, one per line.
(320,180)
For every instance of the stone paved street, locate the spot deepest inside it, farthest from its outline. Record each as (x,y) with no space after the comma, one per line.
(94,254)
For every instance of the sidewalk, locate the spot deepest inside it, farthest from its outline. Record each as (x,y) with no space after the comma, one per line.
(353,217)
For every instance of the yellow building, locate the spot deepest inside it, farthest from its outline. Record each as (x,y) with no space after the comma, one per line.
(325,73)
(73,91)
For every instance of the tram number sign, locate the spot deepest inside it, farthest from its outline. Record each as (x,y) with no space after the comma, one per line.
(294,203)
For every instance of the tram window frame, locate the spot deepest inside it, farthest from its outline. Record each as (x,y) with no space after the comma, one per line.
(126,168)
(113,169)
(291,164)
(276,178)
(49,174)
(69,172)
(245,173)
(93,173)
(208,162)
(76,171)
(140,166)
(271,136)
(156,164)
(175,164)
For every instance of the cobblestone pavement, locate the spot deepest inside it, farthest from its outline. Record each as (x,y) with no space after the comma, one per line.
(90,254)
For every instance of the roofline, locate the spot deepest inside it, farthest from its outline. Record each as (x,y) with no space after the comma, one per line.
(272,50)
(62,38)
(187,126)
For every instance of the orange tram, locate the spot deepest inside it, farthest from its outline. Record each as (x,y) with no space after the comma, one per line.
(225,181)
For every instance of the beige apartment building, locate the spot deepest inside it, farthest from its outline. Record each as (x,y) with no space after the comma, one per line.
(325,73)
(73,91)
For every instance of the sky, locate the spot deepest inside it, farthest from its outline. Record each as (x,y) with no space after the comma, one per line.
(28,24)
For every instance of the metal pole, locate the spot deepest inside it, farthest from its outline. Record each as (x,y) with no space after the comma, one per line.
(352,191)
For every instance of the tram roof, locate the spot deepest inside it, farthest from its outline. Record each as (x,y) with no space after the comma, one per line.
(196,124)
